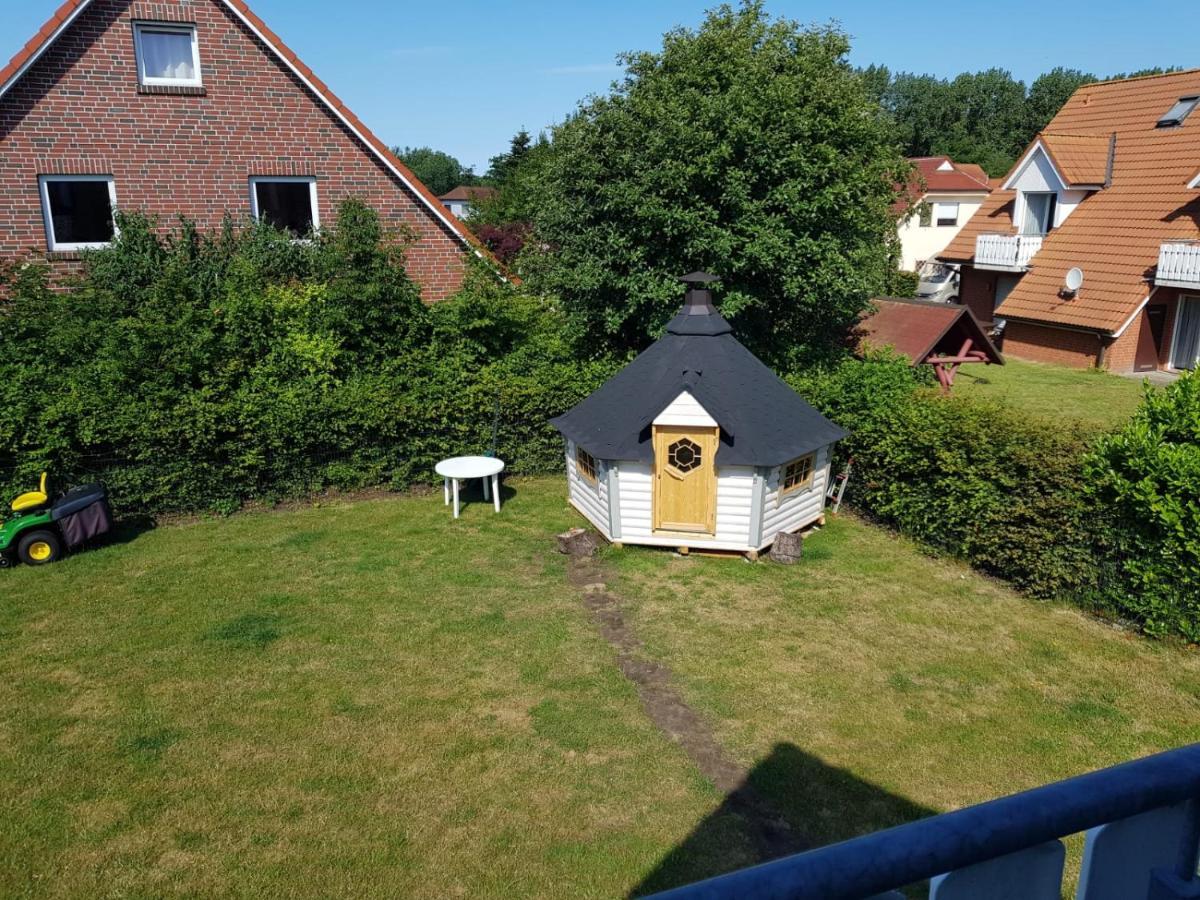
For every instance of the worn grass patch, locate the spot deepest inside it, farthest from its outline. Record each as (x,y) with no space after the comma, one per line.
(365,700)
(407,705)
(930,688)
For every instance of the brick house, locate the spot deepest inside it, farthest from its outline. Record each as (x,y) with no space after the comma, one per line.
(192,108)
(1090,249)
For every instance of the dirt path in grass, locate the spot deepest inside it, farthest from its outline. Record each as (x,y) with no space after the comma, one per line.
(768,831)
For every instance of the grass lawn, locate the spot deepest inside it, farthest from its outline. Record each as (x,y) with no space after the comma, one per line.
(1091,396)
(372,699)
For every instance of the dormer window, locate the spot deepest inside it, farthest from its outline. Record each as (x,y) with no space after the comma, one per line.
(167,55)
(1039,212)
(1177,113)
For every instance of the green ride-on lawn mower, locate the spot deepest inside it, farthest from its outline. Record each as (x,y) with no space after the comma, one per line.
(41,530)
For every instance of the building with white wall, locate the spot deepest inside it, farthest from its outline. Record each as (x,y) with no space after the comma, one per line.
(940,200)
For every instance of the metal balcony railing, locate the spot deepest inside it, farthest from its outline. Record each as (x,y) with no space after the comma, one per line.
(1006,252)
(1142,820)
(1178,264)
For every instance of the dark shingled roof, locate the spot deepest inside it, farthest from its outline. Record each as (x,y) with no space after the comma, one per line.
(763,421)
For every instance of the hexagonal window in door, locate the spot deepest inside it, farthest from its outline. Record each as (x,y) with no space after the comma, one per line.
(684,455)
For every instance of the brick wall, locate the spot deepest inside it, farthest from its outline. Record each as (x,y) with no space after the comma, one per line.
(1122,351)
(1042,343)
(1122,354)
(79,110)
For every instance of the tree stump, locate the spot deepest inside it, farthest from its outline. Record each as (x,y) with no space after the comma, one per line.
(787,548)
(577,542)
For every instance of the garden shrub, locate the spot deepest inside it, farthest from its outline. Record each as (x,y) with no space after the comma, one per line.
(1111,526)
(1148,475)
(197,371)
(968,477)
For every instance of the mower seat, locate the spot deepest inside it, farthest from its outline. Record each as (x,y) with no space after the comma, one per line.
(32,499)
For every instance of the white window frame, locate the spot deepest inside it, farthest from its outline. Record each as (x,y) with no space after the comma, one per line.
(1021,208)
(1179,301)
(310,180)
(48,218)
(174,28)
(940,206)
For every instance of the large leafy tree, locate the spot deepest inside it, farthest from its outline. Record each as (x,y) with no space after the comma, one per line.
(438,171)
(1047,95)
(504,165)
(747,147)
(977,117)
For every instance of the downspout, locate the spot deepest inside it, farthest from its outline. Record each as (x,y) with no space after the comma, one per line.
(1106,341)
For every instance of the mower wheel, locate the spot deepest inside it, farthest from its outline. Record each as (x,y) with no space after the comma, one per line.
(39,547)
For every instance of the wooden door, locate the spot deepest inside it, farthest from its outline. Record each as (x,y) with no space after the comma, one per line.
(1150,336)
(685,479)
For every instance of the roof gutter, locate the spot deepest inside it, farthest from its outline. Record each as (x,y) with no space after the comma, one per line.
(1120,331)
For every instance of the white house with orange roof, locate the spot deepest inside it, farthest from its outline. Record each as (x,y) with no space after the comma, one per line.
(1090,249)
(940,199)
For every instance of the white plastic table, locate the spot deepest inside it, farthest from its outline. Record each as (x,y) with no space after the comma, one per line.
(461,468)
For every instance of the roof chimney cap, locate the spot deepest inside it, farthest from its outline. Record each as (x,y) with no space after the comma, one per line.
(698,316)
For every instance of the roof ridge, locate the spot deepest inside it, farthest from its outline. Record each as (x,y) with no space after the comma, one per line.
(1073,134)
(1192,71)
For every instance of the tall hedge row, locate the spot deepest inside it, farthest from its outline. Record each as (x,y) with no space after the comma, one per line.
(196,372)
(1109,522)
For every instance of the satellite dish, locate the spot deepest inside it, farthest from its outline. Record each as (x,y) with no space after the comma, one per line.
(1074,280)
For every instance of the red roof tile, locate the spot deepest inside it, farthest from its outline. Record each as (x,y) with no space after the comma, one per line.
(916,328)
(1114,235)
(958,178)
(469,192)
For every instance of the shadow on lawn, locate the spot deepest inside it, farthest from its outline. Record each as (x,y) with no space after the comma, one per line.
(819,804)
(471,492)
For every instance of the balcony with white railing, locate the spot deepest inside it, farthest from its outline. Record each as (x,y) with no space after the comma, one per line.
(1006,252)
(1141,822)
(1179,265)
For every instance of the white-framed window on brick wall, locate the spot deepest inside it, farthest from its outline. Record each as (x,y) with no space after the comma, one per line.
(78,211)
(287,202)
(167,54)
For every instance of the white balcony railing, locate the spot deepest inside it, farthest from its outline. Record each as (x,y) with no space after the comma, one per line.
(1006,252)
(1179,264)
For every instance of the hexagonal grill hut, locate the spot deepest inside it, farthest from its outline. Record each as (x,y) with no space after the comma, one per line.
(696,443)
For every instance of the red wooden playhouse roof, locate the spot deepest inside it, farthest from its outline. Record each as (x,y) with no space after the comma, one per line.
(921,329)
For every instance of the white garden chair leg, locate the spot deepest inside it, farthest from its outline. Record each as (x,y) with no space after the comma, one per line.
(495,491)
(446,491)
(455,480)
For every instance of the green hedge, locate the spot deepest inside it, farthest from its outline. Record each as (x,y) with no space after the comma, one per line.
(1147,478)
(195,372)
(1111,524)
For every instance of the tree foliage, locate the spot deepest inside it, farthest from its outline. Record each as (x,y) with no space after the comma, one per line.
(1149,474)
(438,171)
(985,117)
(748,147)
(1047,95)
(196,371)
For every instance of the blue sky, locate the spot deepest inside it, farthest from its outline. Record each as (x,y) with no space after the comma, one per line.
(463,77)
